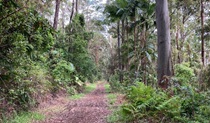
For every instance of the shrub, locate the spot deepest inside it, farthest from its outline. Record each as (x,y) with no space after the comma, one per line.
(115,83)
(146,104)
(184,73)
(62,72)
(205,77)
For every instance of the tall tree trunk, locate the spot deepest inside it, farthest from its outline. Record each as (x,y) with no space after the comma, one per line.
(164,43)
(72,12)
(119,51)
(76,7)
(63,19)
(96,49)
(123,38)
(134,34)
(123,30)
(177,45)
(202,33)
(57,6)
(127,38)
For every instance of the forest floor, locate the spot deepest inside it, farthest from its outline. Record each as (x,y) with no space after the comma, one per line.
(94,107)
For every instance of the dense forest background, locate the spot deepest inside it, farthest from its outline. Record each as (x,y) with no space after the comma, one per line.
(160,64)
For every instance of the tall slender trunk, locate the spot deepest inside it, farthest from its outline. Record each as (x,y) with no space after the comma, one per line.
(63,19)
(123,30)
(96,49)
(123,38)
(76,7)
(72,12)
(134,33)
(177,45)
(127,38)
(57,6)
(119,51)
(164,43)
(135,41)
(202,33)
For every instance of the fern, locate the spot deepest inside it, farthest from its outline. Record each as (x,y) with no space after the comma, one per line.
(148,104)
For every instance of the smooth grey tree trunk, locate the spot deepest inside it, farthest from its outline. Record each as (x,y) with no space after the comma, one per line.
(164,45)
(57,7)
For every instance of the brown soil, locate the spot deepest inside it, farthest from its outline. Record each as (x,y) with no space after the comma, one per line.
(93,108)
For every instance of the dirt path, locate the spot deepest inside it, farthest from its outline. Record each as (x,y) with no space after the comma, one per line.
(93,108)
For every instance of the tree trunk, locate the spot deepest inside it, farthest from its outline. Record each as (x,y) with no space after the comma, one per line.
(134,33)
(119,51)
(76,6)
(123,39)
(57,6)
(63,19)
(127,40)
(177,45)
(202,34)
(72,12)
(164,43)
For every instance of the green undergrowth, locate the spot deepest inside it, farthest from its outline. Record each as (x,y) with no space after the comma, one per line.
(146,104)
(107,88)
(90,87)
(77,96)
(25,117)
(112,98)
(114,116)
(34,62)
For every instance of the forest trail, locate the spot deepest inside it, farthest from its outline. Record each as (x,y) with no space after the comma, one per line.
(92,108)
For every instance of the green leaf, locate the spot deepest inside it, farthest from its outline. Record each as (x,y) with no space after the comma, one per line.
(148,56)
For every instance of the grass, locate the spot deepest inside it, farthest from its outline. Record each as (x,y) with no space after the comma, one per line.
(77,96)
(107,88)
(114,117)
(112,98)
(90,87)
(26,117)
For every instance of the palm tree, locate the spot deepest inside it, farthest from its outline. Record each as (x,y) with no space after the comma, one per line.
(127,12)
(115,14)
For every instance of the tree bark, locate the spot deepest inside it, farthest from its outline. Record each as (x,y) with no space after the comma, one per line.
(164,43)
(119,51)
(76,6)
(63,18)
(134,32)
(127,40)
(177,45)
(123,39)
(57,7)
(202,33)
(72,12)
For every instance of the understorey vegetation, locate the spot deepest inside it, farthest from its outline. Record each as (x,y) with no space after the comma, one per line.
(163,73)
(38,61)
(154,52)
